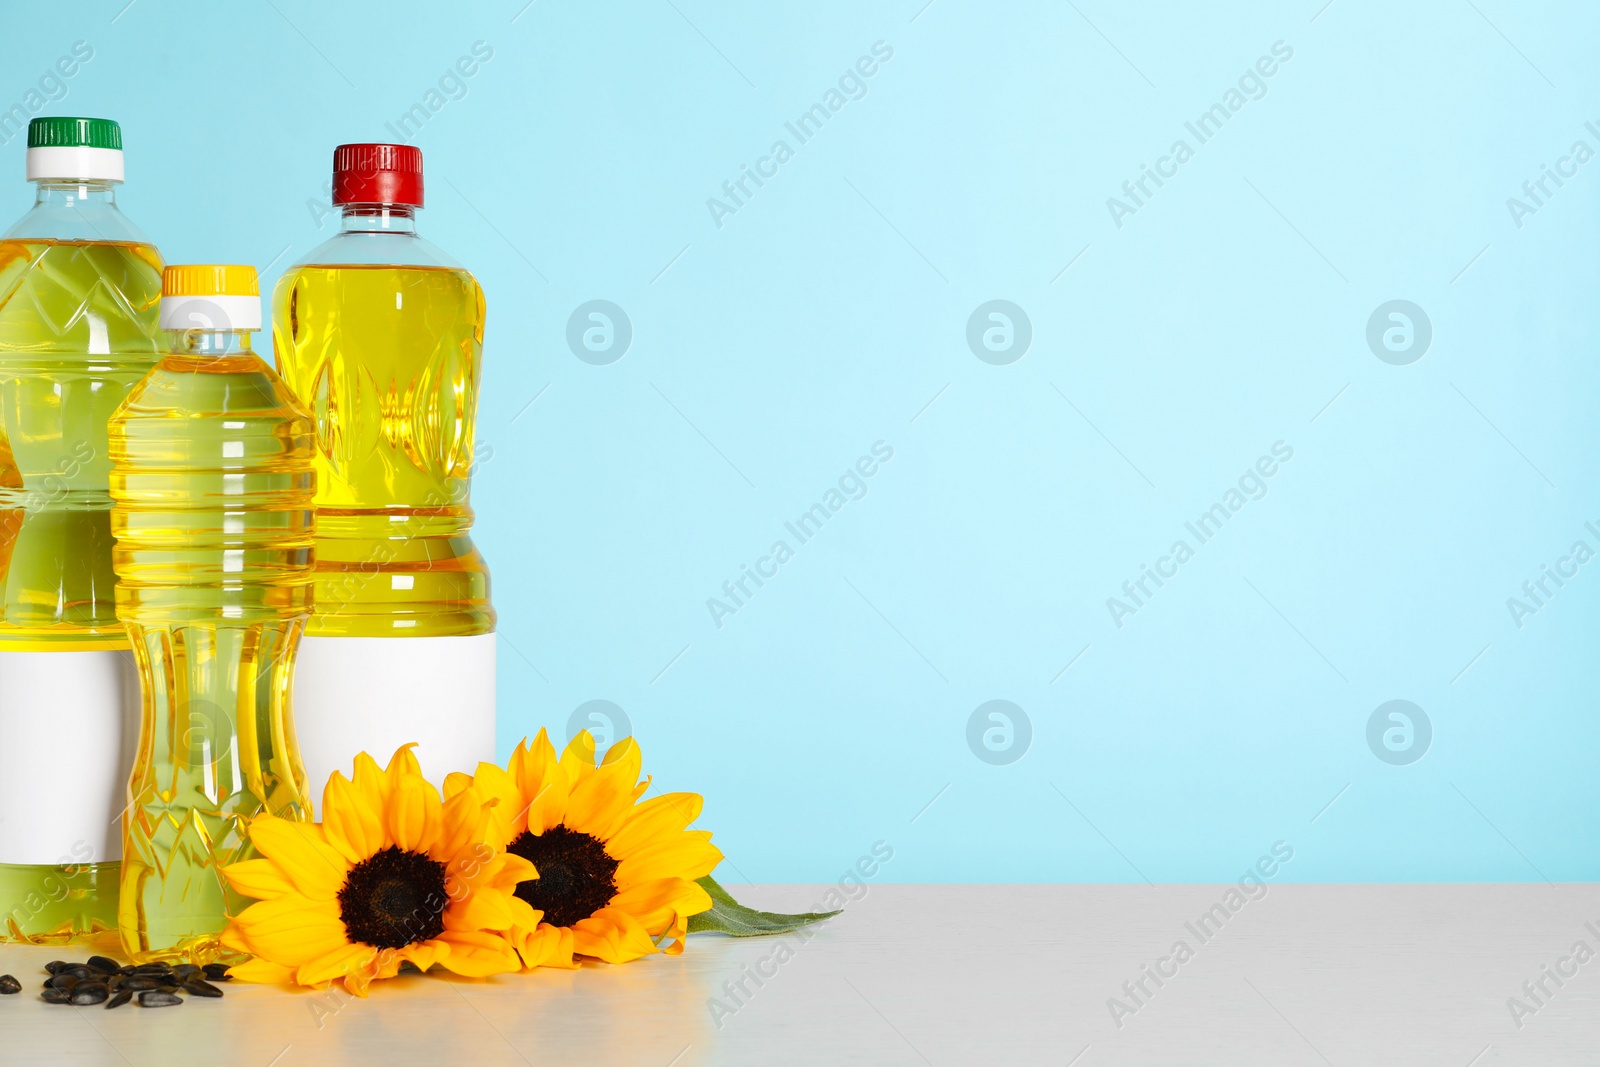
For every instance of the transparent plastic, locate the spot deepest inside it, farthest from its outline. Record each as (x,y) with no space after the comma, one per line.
(79,288)
(212,487)
(79,291)
(380,334)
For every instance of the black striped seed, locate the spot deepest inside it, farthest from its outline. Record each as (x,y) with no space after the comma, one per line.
(155,998)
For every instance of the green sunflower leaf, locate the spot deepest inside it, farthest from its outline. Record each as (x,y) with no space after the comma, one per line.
(728,916)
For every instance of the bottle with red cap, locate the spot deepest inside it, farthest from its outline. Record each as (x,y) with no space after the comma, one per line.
(380,334)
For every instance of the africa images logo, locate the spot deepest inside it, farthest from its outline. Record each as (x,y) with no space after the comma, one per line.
(1399,732)
(999,732)
(1251,85)
(851,85)
(999,332)
(599,332)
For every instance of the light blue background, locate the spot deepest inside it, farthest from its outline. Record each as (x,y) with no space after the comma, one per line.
(769,353)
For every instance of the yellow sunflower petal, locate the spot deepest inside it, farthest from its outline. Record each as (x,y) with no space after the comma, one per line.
(642,788)
(414,813)
(258,879)
(658,903)
(463,822)
(524,916)
(521,765)
(601,798)
(545,946)
(302,853)
(626,752)
(478,955)
(481,909)
(424,954)
(689,854)
(233,938)
(403,764)
(290,930)
(370,782)
(508,871)
(543,784)
(385,964)
(647,823)
(612,935)
(578,757)
(263,971)
(336,964)
(497,789)
(455,782)
(675,936)
(351,823)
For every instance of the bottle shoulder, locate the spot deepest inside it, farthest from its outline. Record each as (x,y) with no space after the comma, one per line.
(88,221)
(183,388)
(368,249)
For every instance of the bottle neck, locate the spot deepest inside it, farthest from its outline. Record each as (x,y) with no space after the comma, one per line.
(378,218)
(212,344)
(79,193)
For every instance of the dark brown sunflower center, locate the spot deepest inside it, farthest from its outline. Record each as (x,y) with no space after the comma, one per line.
(576,876)
(394,898)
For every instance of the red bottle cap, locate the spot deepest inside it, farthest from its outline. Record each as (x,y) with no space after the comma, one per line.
(377,174)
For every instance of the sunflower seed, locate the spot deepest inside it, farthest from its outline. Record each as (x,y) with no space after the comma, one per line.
(89,994)
(114,983)
(138,982)
(9,985)
(77,970)
(184,970)
(120,999)
(55,996)
(202,988)
(55,965)
(217,972)
(61,981)
(156,999)
(103,964)
(158,967)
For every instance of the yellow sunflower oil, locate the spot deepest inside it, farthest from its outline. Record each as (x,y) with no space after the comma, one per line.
(380,334)
(386,358)
(79,286)
(212,491)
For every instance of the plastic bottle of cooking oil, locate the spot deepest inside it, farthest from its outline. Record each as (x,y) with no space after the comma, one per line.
(79,286)
(380,334)
(213,491)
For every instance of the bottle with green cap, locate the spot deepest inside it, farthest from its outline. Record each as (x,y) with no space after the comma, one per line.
(212,492)
(79,289)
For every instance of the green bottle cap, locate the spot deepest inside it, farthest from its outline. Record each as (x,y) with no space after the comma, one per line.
(61,131)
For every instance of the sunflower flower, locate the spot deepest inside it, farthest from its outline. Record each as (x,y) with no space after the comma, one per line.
(616,877)
(390,876)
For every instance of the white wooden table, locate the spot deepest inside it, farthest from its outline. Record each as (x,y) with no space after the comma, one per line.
(1315,975)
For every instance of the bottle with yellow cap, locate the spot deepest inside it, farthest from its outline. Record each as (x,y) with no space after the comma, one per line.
(212,490)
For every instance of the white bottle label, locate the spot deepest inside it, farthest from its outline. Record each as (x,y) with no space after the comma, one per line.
(374,694)
(69,724)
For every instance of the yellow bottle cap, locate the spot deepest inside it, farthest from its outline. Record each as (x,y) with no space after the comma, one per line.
(209,279)
(210,296)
